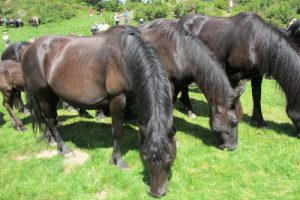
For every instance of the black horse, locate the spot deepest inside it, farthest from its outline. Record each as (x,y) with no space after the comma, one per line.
(188,60)
(14,52)
(92,72)
(247,47)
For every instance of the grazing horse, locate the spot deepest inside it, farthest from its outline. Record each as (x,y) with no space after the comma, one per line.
(248,47)
(14,52)
(188,60)
(105,69)
(11,81)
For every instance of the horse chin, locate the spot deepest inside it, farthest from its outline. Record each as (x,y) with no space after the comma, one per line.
(158,183)
(227,142)
(160,192)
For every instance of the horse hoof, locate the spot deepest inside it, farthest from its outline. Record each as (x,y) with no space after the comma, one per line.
(191,115)
(20,128)
(26,112)
(65,151)
(119,163)
(60,123)
(259,123)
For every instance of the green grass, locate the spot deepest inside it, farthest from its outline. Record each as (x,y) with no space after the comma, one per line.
(266,164)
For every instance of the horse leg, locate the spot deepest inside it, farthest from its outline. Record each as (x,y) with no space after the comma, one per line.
(256,95)
(185,100)
(48,105)
(117,107)
(8,104)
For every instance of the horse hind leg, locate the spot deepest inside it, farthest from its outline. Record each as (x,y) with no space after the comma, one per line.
(117,107)
(8,104)
(185,100)
(48,101)
(257,116)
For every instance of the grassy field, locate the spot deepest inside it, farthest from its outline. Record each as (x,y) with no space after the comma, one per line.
(266,164)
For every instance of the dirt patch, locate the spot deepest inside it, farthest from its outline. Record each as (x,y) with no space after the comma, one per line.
(46,154)
(75,159)
(22,157)
(101,195)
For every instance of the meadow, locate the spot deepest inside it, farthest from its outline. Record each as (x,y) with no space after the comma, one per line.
(266,164)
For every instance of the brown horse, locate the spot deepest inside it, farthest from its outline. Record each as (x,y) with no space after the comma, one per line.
(188,60)
(247,47)
(11,81)
(14,52)
(92,72)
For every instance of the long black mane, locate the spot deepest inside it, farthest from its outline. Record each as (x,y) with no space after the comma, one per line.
(277,56)
(199,60)
(149,82)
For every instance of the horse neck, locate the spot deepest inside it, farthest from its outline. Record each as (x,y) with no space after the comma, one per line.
(149,83)
(207,72)
(278,58)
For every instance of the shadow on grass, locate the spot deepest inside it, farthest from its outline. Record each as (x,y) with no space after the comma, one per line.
(200,107)
(2,122)
(280,128)
(90,135)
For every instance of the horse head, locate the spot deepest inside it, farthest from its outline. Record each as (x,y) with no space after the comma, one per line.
(159,163)
(224,119)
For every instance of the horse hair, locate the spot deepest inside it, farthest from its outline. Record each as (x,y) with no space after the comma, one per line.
(148,80)
(276,52)
(206,70)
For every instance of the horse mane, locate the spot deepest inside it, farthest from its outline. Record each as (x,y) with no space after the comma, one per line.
(206,70)
(148,80)
(277,57)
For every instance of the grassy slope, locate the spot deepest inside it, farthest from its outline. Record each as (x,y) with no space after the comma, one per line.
(265,166)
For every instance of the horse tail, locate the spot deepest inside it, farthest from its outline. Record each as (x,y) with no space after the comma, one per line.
(38,119)
(15,101)
(149,82)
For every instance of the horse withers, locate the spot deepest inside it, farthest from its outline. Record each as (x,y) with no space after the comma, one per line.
(11,81)
(92,72)
(187,60)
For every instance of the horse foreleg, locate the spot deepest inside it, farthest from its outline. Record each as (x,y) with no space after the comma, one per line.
(117,107)
(256,95)
(8,104)
(185,100)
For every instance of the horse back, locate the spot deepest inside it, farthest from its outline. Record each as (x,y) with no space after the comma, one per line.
(81,68)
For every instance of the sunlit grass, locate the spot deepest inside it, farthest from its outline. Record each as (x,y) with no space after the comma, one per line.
(266,164)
